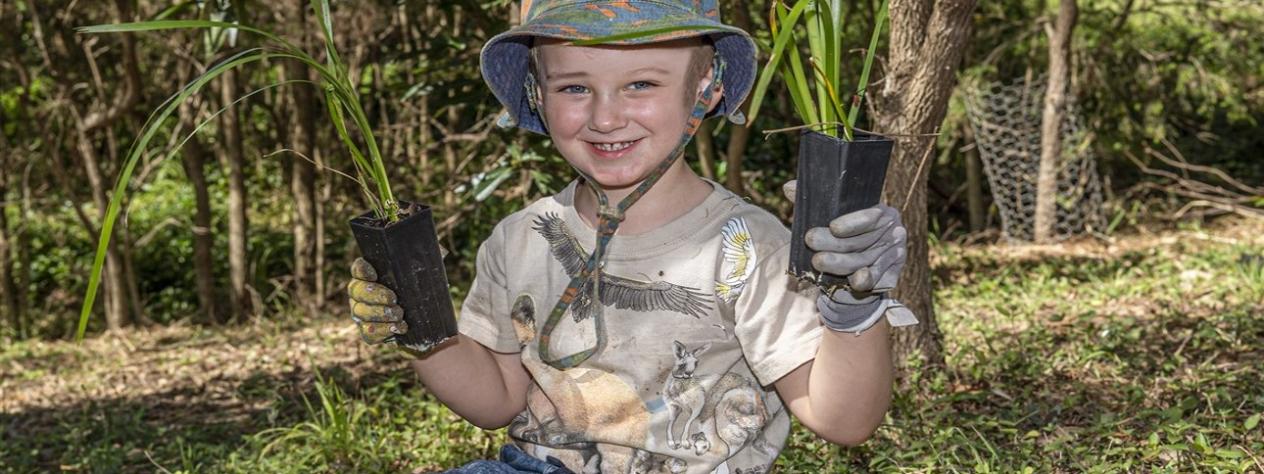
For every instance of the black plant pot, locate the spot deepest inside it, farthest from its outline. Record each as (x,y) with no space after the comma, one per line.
(407,258)
(835,177)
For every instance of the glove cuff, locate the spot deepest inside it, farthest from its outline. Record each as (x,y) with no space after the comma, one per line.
(853,317)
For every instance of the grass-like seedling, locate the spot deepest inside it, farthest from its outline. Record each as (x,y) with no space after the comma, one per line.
(815,88)
(341,99)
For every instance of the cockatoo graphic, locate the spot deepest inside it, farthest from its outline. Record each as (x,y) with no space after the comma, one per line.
(622,293)
(739,259)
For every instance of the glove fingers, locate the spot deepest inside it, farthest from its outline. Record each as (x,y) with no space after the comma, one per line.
(377,333)
(373,313)
(862,281)
(882,275)
(846,263)
(362,270)
(862,221)
(821,239)
(790,189)
(370,293)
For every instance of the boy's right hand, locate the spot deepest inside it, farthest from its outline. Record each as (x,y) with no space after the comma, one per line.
(373,306)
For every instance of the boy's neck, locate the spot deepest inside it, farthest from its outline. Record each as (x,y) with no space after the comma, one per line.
(679,191)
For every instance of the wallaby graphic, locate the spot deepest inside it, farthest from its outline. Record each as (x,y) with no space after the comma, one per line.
(743,405)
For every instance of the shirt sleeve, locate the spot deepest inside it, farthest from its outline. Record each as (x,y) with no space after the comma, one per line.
(485,312)
(776,319)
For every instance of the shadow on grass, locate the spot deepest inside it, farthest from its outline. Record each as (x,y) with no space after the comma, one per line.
(1097,391)
(190,427)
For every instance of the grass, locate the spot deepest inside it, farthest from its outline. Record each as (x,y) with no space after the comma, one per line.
(1141,355)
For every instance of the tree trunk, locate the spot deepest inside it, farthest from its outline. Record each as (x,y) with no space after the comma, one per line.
(974,182)
(302,136)
(1051,120)
(232,158)
(8,289)
(704,144)
(194,161)
(927,41)
(112,278)
(735,151)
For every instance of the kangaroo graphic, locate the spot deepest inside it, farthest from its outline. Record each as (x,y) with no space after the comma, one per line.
(741,409)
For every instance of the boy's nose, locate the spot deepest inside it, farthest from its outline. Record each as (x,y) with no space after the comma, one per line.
(607,115)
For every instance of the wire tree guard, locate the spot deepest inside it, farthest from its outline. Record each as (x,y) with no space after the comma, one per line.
(1006,122)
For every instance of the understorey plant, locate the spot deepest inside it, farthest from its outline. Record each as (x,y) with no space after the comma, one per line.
(841,169)
(397,237)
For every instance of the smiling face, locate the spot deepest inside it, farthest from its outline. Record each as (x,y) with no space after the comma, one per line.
(615,112)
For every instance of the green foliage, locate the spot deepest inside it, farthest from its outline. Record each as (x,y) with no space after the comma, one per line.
(342,100)
(824,21)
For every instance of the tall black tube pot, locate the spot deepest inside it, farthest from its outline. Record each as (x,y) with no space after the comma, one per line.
(835,177)
(408,260)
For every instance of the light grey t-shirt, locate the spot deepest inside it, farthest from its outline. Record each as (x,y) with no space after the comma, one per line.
(701,318)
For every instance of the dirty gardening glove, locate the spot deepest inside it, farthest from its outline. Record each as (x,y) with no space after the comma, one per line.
(373,306)
(868,248)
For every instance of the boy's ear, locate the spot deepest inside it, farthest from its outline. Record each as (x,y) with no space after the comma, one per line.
(717,94)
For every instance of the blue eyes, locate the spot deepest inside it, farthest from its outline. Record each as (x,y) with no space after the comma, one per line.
(578,89)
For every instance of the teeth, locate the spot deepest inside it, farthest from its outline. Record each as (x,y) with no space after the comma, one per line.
(613,146)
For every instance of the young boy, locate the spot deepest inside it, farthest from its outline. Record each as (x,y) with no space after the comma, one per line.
(664,336)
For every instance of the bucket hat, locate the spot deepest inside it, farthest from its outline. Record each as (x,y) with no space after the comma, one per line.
(505,59)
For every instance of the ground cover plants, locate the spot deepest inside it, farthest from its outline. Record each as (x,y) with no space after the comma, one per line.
(1142,354)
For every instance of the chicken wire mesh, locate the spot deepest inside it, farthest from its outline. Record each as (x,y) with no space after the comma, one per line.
(1006,122)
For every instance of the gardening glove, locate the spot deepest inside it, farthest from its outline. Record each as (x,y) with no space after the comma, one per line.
(373,306)
(868,248)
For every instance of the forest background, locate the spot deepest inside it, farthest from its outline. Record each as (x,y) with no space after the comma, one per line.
(241,238)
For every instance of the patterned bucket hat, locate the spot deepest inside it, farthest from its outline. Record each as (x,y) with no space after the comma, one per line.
(505,58)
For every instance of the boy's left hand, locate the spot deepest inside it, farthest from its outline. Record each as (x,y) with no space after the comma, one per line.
(866,246)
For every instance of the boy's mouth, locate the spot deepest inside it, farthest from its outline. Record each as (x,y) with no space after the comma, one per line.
(613,148)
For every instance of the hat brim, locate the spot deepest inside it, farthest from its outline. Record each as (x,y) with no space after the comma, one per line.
(505,58)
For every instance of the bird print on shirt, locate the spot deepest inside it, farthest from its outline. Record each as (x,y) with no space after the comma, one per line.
(616,291)
(738,250)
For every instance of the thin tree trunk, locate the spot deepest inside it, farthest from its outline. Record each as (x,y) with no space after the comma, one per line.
(739,136)
(302,172)
(8,289)
(734,154)
(974,182)
(232,158)
(194,161)
(704,144)
(927,41)
(326,193)
(1051,120)
(113,279)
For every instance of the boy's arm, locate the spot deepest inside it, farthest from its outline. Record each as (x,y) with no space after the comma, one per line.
(843,394)
(485,387)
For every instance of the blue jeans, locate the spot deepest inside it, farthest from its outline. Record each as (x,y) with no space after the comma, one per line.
(513,461)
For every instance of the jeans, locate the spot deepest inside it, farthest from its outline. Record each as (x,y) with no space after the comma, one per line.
(513,461)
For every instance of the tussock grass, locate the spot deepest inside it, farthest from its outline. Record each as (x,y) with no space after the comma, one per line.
(1141,355)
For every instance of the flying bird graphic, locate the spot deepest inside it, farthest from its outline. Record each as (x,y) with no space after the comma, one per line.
(616,291)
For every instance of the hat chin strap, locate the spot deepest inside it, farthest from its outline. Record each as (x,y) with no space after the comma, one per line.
(608,220)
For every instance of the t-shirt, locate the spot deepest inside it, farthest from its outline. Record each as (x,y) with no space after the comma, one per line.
(701,318)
